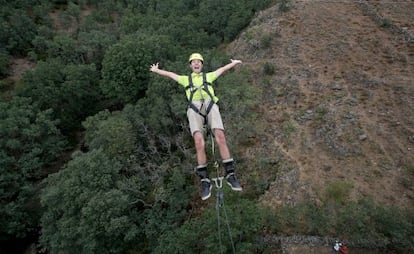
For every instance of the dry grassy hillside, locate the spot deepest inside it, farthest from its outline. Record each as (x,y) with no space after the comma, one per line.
(338,98)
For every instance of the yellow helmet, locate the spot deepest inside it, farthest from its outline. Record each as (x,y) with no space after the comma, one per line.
(196,56)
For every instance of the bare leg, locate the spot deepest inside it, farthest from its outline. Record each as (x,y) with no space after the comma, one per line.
(201,169)
(222,144)
(200,148)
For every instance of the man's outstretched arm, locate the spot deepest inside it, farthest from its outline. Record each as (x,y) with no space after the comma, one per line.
(154,68)
(227,67)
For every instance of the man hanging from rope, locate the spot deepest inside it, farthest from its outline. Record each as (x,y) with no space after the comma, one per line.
(203,110)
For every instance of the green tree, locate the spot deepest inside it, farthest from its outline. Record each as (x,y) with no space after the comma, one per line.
(4,63)
(86,210)
(72,91)
(125,71)
(112,133)
(19,22)
(94,44)
(189,32)
(29,137)
(18,30)
(72,13)
(225,19)
(41,43)
(201,235)
(139,174)
(170,207)
(66,49)
(29,142)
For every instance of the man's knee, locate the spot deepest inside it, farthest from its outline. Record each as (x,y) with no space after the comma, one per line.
(198,140)
(220,136)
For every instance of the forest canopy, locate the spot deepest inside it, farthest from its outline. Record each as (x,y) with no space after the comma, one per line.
(95,151)
(90,91)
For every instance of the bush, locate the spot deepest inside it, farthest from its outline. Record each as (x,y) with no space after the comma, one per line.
(265,41)
(284,5)
(268,69)
(338,192)
(385,23)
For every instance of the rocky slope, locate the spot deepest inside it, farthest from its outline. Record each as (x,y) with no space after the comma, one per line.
(338,98)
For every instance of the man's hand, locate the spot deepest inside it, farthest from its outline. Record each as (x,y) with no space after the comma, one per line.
(227,67)
(235,61)
(154,67)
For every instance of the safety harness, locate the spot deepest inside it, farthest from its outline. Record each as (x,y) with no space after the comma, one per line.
(193,89)
(218,181)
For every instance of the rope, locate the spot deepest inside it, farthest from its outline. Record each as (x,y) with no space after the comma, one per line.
(218,181)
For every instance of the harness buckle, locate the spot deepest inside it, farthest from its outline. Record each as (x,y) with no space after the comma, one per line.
(218,182)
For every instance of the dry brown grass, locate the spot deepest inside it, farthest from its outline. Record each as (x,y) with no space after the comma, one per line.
(339,103)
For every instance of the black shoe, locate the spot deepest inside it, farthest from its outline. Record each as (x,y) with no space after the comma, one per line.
(205,188)
(233,182)
(230,176)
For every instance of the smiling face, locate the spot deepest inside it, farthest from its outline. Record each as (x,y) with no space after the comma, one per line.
(196,65)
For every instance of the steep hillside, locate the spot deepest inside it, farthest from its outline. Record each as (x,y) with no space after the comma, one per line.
(338,98)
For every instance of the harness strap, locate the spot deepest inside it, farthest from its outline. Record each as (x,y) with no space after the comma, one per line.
(193,90)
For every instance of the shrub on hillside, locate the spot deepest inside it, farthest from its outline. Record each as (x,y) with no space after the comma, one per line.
(362,223)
